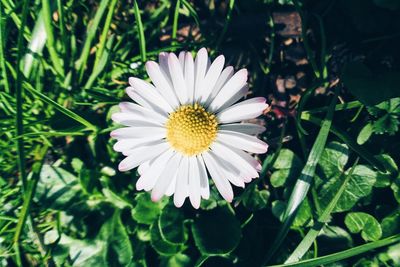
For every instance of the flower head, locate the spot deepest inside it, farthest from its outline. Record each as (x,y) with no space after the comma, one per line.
(186,124)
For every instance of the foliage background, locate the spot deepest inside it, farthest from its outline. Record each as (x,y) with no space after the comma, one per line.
(330,70)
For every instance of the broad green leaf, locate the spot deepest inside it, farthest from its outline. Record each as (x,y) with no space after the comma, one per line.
(384,179)
(333,159)
(369,87)
(287,166)
(365,134)
(59,189)
(160,245)
(360,185)
(178,260)
(172,228)
(216,231)
(114,233)
(395,186)
(255,199)
(391,224)
(303,217)
(366,224)
(146,211)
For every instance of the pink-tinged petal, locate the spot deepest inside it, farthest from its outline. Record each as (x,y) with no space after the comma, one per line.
(177,78)
(229,90)
(242,141)
(200,68)
(245,110)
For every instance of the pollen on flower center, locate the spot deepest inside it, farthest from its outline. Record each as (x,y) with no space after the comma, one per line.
(191,129)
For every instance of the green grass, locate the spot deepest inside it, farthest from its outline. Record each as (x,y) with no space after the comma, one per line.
(64,67)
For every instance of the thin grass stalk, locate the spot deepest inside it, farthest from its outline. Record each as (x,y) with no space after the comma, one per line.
(60,108)
(51,46)
(303,183)
(175,22)
(28,196)
(312,234)
(2,58)
(104,33)
(19,97)
(227,21)
(140,29)
(345,254)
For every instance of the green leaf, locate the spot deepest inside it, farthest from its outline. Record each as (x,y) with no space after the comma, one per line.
(146,211)
(255,199)
(391,224)
(178,260)
(160,245)
(58,189)
(365,134)
(369,87)
(333,159)
(119,246)
(216,231)
(360,185)
(172,228)
(366,224)
(287,166)
(384,179)
(303,217)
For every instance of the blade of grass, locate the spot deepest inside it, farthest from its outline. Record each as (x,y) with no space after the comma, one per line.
(90,34)
(345,254)
(139,26)
(38,40)
(47,16)
(192,12)
(339,107)
(19,97)
(9,9)
(175,22)
(303,183)
(226,24)
(312,234)
(28,196)
(360,150)
(64,39)
(2,58)
(104,33)
(60,108)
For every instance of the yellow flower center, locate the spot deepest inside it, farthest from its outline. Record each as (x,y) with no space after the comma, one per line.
(191,129)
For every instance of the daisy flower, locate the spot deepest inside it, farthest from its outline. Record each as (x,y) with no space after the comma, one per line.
(186,125)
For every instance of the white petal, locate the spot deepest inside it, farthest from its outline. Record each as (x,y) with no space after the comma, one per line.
(181,58)
(242,141)
(143,167)
(230,89)
(149,93)
(248,109)
(131,111)
(240,94)
(163,60)
(204,186)
(189,75)
(221,182)
(162,83)
(172,187)
(246,128)
(200,68)
(125,145)
(248,167)
(140,155)
(168,174)
(226,74)
(182,183)
(194,182)
(211,78)
(139,132)
(177,78)
(155,168)
(232,172)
